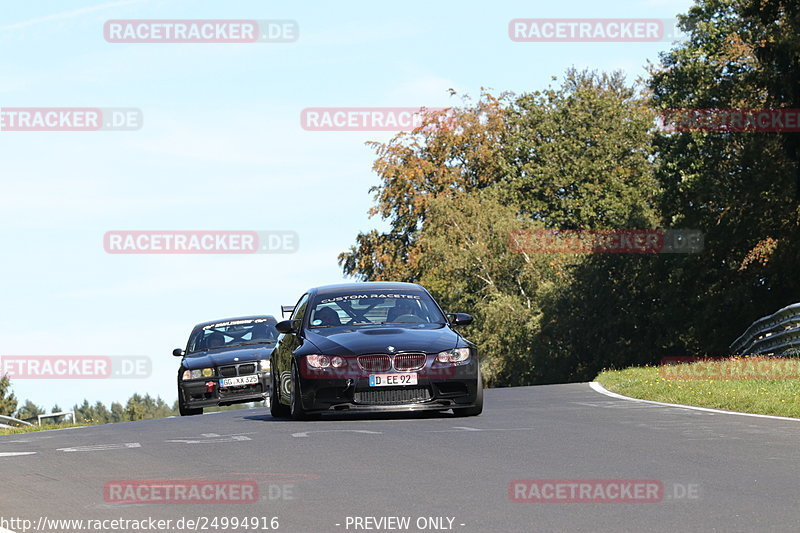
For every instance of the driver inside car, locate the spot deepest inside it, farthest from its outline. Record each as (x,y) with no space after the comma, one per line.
(215,340)
(327,317)
(405,310)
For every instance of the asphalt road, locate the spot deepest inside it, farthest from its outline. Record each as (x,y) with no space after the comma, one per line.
(719,472)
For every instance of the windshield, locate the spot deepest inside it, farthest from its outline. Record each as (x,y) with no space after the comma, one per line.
(231,333)
(374,308)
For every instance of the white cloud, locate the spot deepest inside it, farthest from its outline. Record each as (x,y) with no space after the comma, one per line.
(67,14)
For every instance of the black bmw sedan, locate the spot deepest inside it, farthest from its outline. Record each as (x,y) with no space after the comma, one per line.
(377,346)
(226,362)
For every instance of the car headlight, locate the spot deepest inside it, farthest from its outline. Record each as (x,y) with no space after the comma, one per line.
(264,365)
(198,373)
(456,355)
(318,361)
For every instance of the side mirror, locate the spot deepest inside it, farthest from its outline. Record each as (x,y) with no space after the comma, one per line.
(459,319)
(177,352)
(285,326)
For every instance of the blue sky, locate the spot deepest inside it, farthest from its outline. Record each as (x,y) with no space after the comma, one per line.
(222,149)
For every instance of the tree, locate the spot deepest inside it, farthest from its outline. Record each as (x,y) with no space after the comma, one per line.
(738,187)
(452,151)
(8,402)
(29,411)
(576,157)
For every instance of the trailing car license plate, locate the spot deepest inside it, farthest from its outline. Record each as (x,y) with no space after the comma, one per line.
(241,380)
(390,380)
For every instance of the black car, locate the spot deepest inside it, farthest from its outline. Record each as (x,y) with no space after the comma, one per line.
(377,346)
(226,362)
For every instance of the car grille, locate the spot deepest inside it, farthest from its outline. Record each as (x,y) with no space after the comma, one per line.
(230,371)
(227,371)
(247,369)
(409,361)
(375,363)
(397,396)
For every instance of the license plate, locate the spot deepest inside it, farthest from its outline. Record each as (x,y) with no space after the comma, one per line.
(391,380)
(241,380)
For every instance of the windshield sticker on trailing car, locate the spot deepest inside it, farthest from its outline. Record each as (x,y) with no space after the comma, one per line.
(364,296)
(236,323)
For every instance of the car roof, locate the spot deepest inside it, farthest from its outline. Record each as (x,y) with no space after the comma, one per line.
(270,318)
(366,285)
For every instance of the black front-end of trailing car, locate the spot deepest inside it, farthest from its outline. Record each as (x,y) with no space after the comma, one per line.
(373,347)
(226,362)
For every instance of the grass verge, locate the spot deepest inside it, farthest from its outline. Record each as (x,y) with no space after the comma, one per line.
(31,429)
(768,386)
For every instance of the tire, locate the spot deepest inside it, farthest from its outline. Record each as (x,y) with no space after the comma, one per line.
(296,406)
(185,411)
(478,407)
(276,408)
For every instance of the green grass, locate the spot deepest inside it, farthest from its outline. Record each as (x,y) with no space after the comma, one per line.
(700,384)
(31,429)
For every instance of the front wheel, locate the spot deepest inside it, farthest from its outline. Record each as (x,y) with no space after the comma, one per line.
(296,405)
(185,411)
(276,408)
(476,409)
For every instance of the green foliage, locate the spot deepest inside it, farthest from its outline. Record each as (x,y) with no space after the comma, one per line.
(8,402)
(586,155)
(29,411)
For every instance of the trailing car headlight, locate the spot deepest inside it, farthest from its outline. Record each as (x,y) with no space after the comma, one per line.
(264,365)
(198,373)
(338,361)
(456,355)
(318,361)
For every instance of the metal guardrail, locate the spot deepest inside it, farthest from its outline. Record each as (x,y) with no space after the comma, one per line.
(55,415)
(12,420)
(777,333)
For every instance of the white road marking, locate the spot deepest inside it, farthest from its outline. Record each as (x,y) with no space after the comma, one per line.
(101,447)
(461,429)
(14,454)
(306,433)
(214,439)
(602,390)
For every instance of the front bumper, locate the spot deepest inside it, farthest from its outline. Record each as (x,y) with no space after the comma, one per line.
(433,392)
(196,393)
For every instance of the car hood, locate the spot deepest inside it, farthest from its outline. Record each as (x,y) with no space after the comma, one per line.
(226,357)
(341,341)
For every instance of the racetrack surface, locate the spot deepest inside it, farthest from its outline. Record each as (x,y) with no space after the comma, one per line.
(720,472)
